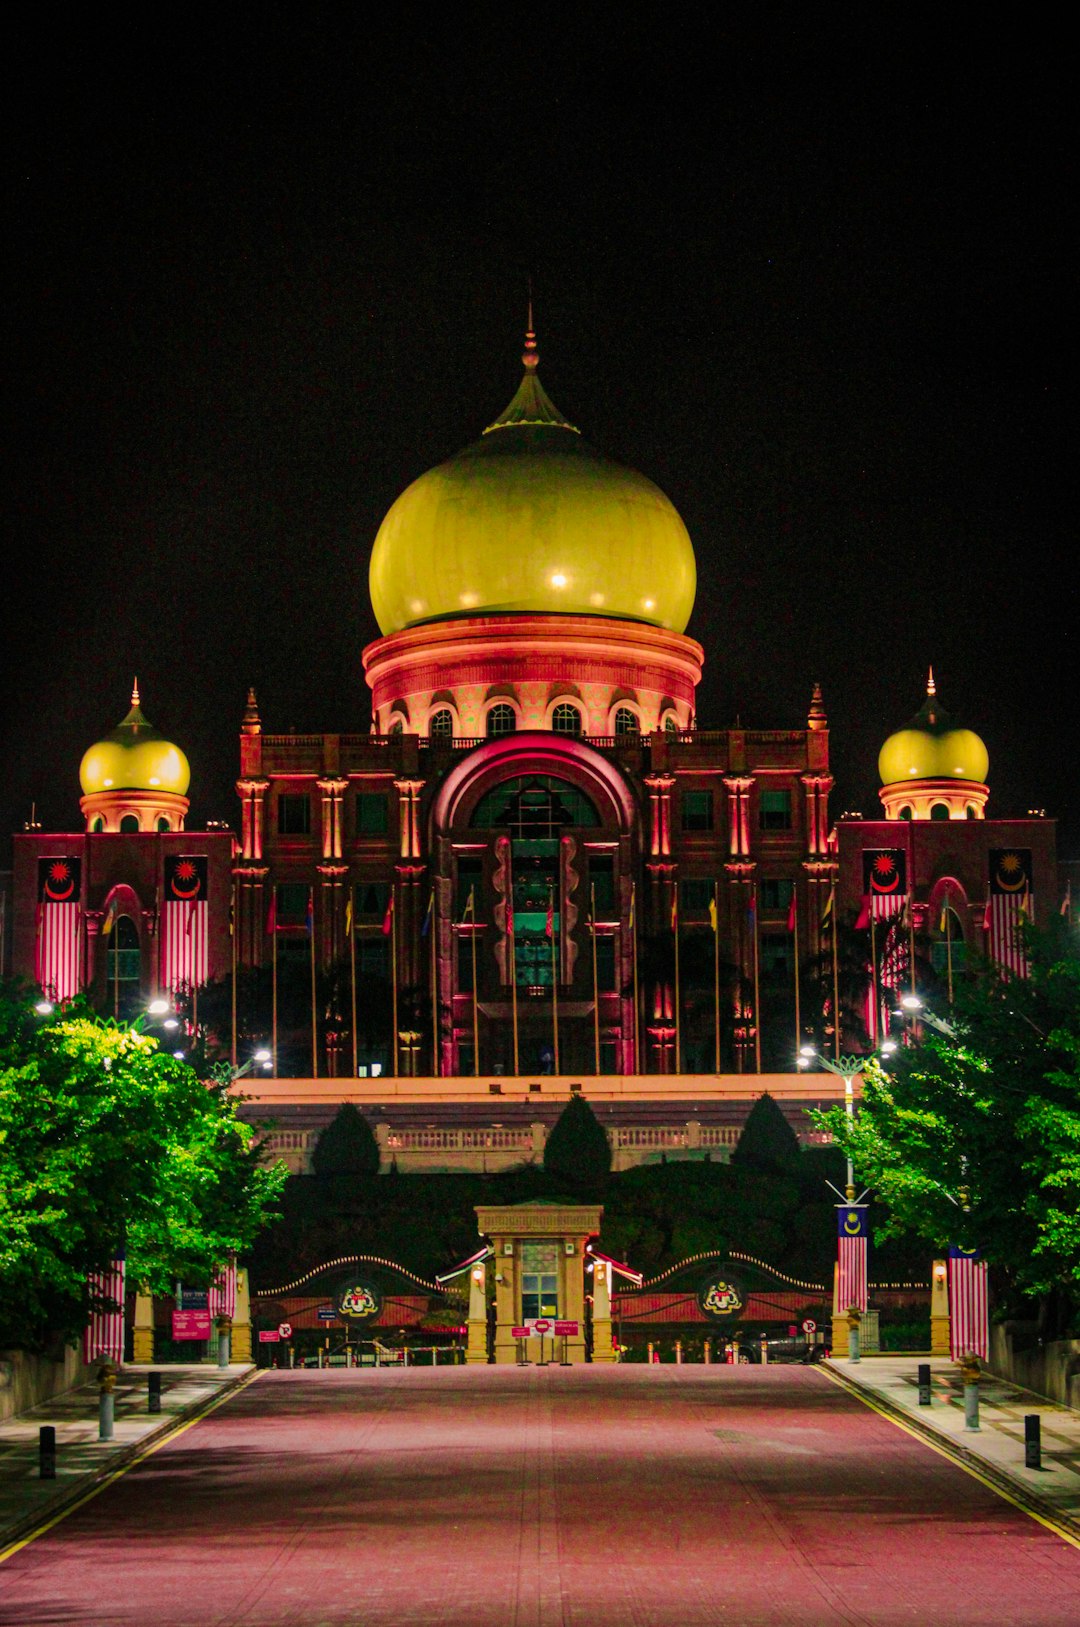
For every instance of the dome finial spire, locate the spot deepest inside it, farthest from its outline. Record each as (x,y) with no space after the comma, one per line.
(531,356)
(931,686)
(135,693)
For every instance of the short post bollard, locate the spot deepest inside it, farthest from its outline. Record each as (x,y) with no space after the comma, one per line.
(924,1384)
(764,1351)
(707,1352)
(969,1371)
(153,1392)
(678,1352)
(729,1355)
(854,1318)
(224,1332)
(650,1352)
(1032,1441)
(47,1452)
(106,1399)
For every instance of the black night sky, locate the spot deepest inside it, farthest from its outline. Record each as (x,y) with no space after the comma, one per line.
(804,267)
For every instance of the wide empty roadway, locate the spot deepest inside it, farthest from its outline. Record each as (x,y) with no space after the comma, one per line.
(597,1497)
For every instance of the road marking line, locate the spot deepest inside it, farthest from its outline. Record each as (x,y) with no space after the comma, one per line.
(133,1463)
(944,1449)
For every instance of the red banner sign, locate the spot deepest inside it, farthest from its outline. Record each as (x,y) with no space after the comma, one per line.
(566,1330)
(269,1336)
(191,1325)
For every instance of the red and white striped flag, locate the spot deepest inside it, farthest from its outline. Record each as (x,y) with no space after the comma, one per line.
(884,881)
(185,960)
(969,1308)
(104,1332)
(852,1229)
(57,960)
(221,1299)
(1010,904)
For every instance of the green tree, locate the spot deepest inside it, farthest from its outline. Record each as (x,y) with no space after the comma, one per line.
(347,1147)
(577,1152)
(973,1136)
(768,1145)
(106,1140)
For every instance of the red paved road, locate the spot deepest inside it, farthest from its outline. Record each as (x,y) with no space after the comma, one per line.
(625,1497)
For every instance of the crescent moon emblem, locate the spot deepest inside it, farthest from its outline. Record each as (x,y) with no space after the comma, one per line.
(851,1224)
(60,897)
(1010,886)
(180,892)
(884,886)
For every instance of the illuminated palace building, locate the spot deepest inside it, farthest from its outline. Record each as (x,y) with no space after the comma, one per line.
(536,863)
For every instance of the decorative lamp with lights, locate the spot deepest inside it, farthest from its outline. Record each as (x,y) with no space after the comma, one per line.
(931,769)
(134,779)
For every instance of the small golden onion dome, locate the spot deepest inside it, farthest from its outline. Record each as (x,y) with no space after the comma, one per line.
(134,757)
(931,747)
(531,519)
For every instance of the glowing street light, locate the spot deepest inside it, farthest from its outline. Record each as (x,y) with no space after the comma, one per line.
(159,1007)
(44,1008)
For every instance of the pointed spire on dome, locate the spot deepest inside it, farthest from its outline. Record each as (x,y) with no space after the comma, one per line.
(135,693)
(252,723)
(136,721)
(931,686)
(817,718)
(531,406)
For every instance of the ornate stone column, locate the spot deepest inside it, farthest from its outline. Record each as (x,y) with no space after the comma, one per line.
(252,795)
(738,789)
(660,786)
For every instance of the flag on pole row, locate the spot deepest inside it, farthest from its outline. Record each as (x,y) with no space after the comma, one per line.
(104,1332)
(1010,903)
(827,912)
(969,1310)
(852,1230)
(221,1298)
(388,918)
(884,881)
(56,946)
(185,957)
(425,925)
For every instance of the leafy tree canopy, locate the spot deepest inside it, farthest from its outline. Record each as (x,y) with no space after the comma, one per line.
(347,1146)
(105,1141)
(973,1136)
(577,1151)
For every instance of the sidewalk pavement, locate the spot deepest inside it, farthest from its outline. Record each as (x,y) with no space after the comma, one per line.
(996,1451)
(82,1461)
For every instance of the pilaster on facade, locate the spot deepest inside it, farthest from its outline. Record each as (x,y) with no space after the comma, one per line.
(333,879)
(252,794)
(660,788)
(333,791)
(409,810)
(817,788)
(739,787)
(821,877)
(249,886)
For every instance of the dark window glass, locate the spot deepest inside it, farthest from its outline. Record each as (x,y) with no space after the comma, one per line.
(441,726)
(396,727)
(605,962)
(774,810)
(626,721)
(670,725)
(697,810)
(464,962)
(292,899)
(905,812)
(939,810)
(695,894)
(602,881)
(163,824)
(775,893)
(539,806)
(129,824)
(501,719)
(124,956)
(294,814)
(777,958)
(566,719)
(372,813)
(373,958)
(372,898)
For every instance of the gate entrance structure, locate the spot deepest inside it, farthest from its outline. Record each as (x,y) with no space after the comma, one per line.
(536,1263)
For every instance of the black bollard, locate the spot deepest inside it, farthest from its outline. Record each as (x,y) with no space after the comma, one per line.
(1032,1441)
(924,1384)
(47,1452)
(153,1392)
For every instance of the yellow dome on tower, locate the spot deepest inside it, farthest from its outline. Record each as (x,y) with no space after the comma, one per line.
(531,519)
(931,748)
(134,757)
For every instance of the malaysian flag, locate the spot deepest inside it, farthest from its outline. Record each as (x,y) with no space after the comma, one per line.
(185,961)
(885,881)
(221,1298)
(969,1311)
(56,948)
(1010,899)
(104,1332)
(851,1225)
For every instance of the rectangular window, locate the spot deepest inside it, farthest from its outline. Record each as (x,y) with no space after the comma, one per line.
(373,958)
(695,895)
(464,962)
(777,958)
(697,810)
(602,881)
(774,810)
(470,873)
(372,813)
(776,894)
(294,814)
(605,962)
(371,899)
(292,901)
(539,1280)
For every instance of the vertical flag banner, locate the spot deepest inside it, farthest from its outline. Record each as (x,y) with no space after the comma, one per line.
(185,959)
(56,960)
(969,1306)
(885,881)
(221,1299)
(104,1332)
(1010,897)
(388,918)
(852,1229)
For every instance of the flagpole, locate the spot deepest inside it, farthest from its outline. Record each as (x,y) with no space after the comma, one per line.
(873,974)
(554,978)
(945,910)
(633,945)
(757,985)
(795,940)
(678,995)
(716,968)
(835,973)
(393,971)
(475,1008)
(435,1068)
(351,925)
(595,982)
(513,952)
(232,945)
(273,983)
(314,1019)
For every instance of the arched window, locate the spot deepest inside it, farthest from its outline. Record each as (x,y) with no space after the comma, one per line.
(939,810)
(441,724)
(626,721)
(128,824)
(972,811)
(396,726)
(501,719)
(905,812)
(97,823)
(123,964)
(163,823)
(566,719)
(671,724)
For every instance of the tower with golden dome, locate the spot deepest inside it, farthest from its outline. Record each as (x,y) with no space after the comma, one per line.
(134,779)
(933,769)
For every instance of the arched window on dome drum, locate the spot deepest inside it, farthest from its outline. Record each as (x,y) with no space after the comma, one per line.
(626,721)
(129,824)
(163,823)
(566,719)
(671,725)
(972,811)
(441,724)
(501,719)
(97,823)
(905,812)
(939,810)
(396,727)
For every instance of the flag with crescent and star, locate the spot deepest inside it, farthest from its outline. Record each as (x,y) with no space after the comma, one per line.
(1010,904)
(969,1305)
(885,881)
(56,958)
(851,1253)
(184,921)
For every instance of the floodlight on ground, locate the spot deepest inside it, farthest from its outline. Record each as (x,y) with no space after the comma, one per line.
(44,1008)
(170,1023)
(807,1050)
(159,1008)
(262,1055)
(911,1002)
(179,1055)
(802,1061)
(888,1046)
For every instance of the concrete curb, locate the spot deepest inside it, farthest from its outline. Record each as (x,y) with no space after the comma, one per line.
(1018,1490)
(45,1512)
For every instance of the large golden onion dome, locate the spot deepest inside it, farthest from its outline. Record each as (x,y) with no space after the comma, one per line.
(932,748)
(134,757)
(531,519)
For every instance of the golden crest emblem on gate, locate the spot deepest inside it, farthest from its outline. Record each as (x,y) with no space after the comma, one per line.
(722,1297)
(359,1301)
